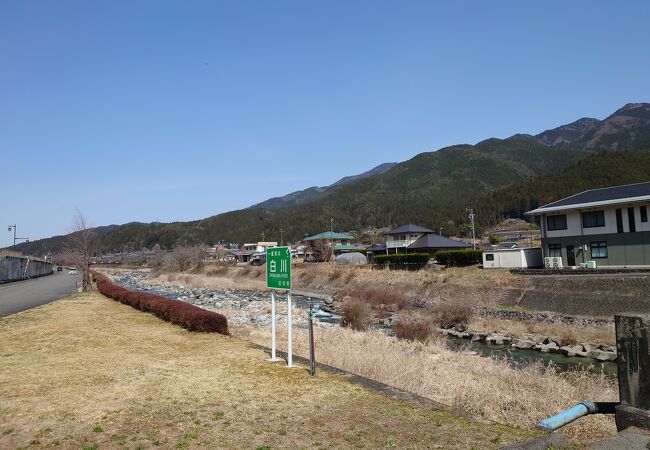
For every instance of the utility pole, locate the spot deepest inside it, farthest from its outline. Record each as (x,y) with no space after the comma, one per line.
(471,219)
(332,236)
(281,239)
(9,228)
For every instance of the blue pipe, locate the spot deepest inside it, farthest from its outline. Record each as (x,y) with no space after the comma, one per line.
(578,411)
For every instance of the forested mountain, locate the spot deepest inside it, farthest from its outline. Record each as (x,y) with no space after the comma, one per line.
(316,192)
(499,178)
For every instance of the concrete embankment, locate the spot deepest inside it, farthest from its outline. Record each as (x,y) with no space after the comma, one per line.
(16,266)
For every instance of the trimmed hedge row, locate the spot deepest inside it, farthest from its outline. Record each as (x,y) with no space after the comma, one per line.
(178,312)
(403,258)
(459,258)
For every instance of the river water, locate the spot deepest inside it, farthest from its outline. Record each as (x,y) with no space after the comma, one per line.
(517,357)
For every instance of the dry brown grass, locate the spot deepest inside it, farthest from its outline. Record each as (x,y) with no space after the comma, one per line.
(220,277)
(412,329)
(567,334)
(356,314)
(483,386)
(87,372)
(448,314)
(481,287)
(426,282)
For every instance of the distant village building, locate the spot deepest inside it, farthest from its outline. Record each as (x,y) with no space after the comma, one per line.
(521,258)
(602,227)
(254,253)
(337,242)
(416,239)
(259,247)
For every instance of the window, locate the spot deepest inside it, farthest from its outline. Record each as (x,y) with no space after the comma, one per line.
(644,213)
(598,249)
(593,219)
(630,220)
(554,250)
(619,220)
(489,256)
(556,222)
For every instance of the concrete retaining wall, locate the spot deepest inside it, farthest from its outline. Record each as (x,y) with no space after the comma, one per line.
(14,266)
(584,295)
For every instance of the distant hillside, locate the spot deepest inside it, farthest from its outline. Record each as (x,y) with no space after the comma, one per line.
(381,168)
(607,168)
(499,178)
(568,134)
(316,192)
(627,128)
(416,190)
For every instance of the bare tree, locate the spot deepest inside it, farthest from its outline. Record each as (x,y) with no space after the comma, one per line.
(184,258)
(79,244)
(323,248)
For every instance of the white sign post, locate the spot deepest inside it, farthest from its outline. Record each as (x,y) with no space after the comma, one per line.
(273,357)
(278,276)
(289,352)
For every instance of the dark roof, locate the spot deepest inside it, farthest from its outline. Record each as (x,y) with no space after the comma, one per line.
(410,228)
(329,235)
(433,240)
(608,194)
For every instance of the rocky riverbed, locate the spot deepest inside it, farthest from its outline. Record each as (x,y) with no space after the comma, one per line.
(545,345)
(254,308)
(240,307)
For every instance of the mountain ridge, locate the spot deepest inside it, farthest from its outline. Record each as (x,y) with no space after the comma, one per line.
(431,189)
(315,192)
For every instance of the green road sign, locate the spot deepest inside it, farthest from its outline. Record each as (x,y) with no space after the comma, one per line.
(278,268)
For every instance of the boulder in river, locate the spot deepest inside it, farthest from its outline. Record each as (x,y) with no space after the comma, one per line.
(523,343)
(498,339)
(479,337)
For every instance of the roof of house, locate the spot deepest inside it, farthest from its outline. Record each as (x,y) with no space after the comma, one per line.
(433,240)
(410,228)
(348,247)
(599,197)
(329,235)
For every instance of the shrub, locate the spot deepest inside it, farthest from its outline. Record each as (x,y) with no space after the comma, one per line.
(356,314)
(177,312)
(335,274)
(447,315)
(459,258)
(415,259)
(412,329)
(219,270)
(375,296)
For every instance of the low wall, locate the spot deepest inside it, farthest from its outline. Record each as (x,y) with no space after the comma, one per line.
(604,295)
(14,266)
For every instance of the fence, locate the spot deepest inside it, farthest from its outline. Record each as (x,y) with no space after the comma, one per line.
(16,266)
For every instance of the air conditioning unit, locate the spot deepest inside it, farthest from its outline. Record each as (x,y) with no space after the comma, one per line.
(553,262)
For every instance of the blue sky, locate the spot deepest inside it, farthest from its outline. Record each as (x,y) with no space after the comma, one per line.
(137,111)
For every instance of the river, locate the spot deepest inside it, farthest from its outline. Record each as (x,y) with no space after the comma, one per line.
(213,298)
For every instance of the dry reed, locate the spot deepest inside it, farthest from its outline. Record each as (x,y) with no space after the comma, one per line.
(483,386)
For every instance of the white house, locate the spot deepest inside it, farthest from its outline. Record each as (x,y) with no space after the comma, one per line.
(259,247)
(609,226)
(398,239)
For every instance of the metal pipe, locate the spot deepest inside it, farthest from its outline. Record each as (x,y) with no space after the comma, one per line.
(312,368)
(580,410)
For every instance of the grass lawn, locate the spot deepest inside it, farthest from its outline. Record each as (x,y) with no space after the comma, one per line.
(87,372)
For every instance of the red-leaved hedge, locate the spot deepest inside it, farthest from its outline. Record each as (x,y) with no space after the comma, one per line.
(177,312)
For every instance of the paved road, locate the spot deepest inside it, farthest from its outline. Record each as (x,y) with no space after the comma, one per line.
(21,295)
